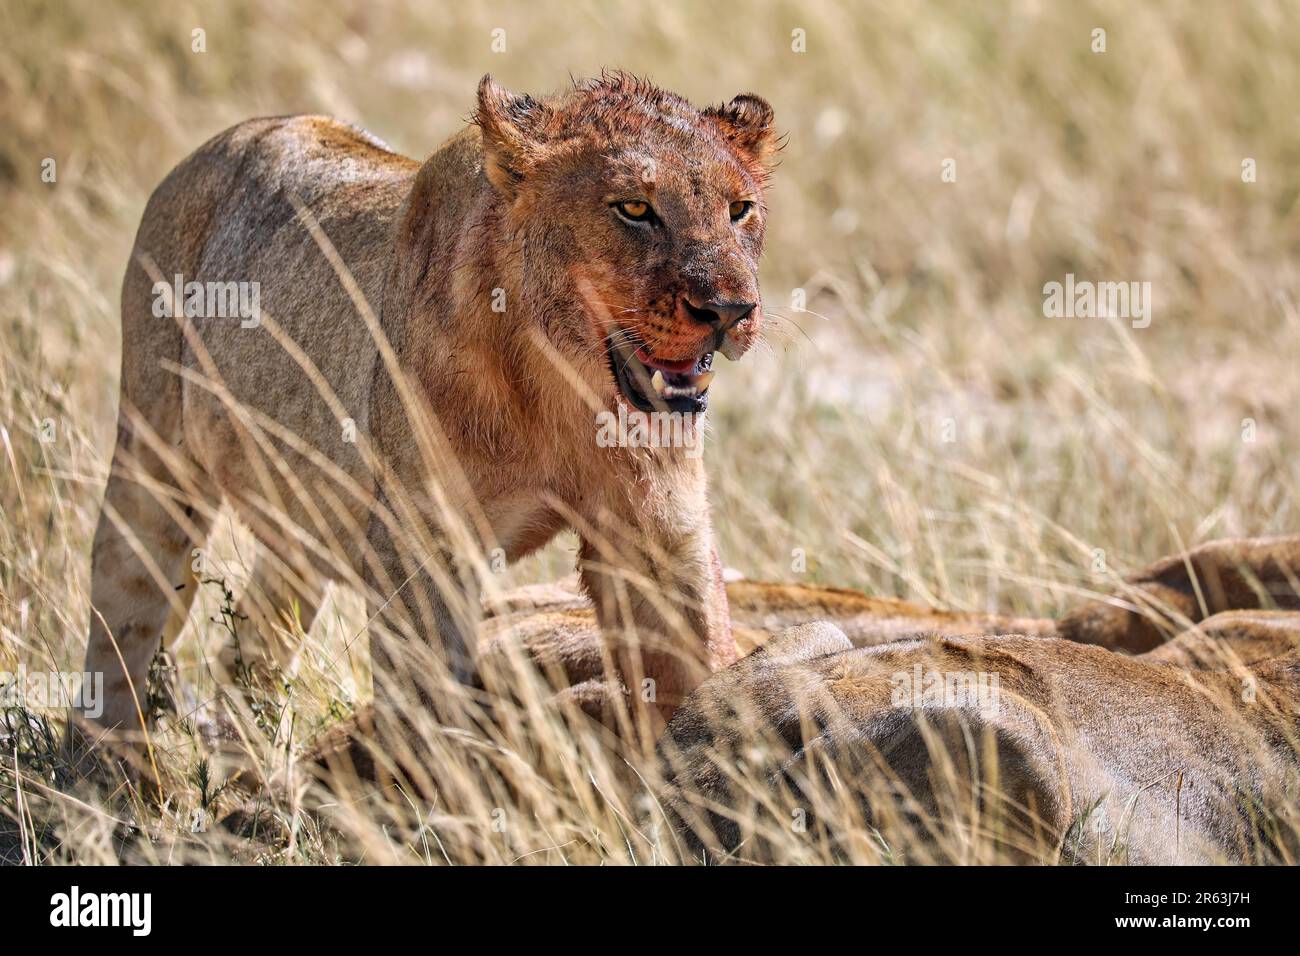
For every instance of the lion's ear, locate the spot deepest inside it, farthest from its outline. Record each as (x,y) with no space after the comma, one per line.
(746,123)
(510,124)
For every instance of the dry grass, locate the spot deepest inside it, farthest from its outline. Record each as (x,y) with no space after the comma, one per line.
(925,319)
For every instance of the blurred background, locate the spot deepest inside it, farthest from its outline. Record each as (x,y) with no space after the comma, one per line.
(920,428)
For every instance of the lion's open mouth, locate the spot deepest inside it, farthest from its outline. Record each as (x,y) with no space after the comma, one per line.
(654,384)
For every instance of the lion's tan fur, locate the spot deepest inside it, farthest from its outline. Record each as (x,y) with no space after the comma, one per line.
(1189,752)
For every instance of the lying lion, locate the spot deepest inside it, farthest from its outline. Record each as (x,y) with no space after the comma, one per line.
(1186,752)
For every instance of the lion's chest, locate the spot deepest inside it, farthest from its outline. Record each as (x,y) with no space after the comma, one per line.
(522,524)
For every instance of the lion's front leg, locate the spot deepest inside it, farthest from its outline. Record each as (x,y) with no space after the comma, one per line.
(659,597)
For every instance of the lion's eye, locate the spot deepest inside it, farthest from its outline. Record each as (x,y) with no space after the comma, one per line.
(740,209)
(634,210)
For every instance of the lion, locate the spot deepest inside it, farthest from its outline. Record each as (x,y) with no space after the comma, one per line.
(1158,727)
(418,394)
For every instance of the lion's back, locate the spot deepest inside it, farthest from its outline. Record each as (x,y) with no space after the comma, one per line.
(235,214)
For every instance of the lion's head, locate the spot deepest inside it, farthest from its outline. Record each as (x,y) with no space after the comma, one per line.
(644,211)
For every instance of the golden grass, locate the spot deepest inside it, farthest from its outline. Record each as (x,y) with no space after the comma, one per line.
(1073,437)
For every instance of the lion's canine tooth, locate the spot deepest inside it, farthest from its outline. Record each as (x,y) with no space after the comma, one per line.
(702,381)
(657,380)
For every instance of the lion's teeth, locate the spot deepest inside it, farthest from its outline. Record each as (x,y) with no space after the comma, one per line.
(699,383)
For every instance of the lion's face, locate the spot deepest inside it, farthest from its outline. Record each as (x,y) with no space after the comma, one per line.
(652,212)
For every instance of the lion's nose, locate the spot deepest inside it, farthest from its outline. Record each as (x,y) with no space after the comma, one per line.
(720,315)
